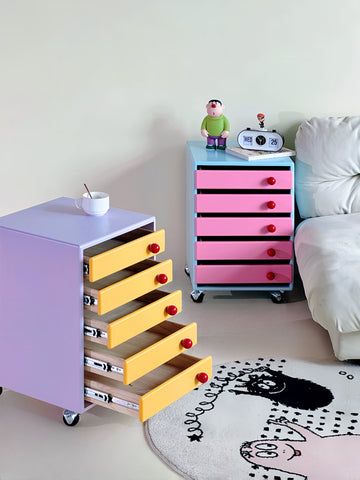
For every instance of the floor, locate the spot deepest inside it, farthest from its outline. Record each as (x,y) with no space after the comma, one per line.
(35,445)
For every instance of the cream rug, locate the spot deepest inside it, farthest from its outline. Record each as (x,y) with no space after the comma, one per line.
(268,419)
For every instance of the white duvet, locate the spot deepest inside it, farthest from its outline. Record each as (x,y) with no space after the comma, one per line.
(328,254)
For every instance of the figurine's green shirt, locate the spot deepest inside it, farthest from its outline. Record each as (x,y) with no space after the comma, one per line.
(215,125)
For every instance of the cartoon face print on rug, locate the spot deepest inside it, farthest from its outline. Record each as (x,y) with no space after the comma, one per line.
(289,391)
(314,457)
(261,381)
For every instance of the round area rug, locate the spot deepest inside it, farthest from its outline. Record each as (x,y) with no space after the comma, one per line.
(274,419)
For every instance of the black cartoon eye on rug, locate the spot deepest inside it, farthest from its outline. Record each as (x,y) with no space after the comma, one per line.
(314,457)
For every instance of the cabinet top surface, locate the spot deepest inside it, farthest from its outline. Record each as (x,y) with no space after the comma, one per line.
(60,220)
(201,156)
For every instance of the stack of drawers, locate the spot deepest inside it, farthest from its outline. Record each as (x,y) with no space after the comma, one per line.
(84,320)
(134,360)
(240,223)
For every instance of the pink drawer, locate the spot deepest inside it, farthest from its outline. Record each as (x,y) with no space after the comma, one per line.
(241,203)
(244,179)
(241,226)
(239,274)
(276,250)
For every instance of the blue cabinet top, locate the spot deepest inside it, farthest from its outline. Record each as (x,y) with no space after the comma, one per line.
(60,220)
(199,155)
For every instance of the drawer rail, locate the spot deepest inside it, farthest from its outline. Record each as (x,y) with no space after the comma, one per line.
(103,366)
(107,398)
(94,332)
(90,300)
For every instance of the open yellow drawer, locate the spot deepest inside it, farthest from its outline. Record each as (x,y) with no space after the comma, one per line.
(141,354)
(133,318)
(118,253)
(122,287)
(151,393)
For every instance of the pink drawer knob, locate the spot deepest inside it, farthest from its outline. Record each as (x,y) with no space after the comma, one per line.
(271,205)
(171,310)
(186,343)
(270,275)
(154,247)
(271,228)
(271,180)
(271,252)
(202,377)
(162,278)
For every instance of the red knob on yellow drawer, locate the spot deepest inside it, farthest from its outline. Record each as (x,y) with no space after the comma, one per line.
(162,278)
(271,252)
(154,248)
(270,275)
(171,309)
(202,377)
(271,204)
(186,343)
(271,228)
(271,180)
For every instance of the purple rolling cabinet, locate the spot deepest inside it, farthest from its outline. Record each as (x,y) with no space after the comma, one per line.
(83,319)
(41,284)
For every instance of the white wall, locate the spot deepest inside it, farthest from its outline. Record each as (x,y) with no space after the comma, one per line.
(108,91)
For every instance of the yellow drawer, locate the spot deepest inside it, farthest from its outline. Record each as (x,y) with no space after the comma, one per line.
(122,287)
(151,393)
(141,354)
(131,319)
(116,254)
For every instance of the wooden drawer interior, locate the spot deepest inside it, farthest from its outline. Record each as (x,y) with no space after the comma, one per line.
(151,393)
(141,354)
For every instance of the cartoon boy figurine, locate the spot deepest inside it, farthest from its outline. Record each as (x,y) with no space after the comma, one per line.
(215,126)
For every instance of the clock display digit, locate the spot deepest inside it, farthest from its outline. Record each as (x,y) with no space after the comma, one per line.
(248,140)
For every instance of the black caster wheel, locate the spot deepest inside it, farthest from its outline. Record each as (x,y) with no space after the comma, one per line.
(1,390)
(70,418)
(187,271)
(197,296)
(278,297)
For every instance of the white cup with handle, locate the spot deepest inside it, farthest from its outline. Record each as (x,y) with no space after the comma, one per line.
(96,204)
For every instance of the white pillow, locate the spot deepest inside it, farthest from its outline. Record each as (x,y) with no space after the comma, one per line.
(327,166)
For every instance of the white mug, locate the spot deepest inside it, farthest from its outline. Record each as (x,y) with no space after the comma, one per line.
(97,205)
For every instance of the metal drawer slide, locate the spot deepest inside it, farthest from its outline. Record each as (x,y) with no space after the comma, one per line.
(94,332)
(103,366)
(89,300)
(106,398)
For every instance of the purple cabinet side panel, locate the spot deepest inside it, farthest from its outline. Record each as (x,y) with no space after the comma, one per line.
(41,320)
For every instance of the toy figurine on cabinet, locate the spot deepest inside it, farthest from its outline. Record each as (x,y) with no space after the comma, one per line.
(215,127)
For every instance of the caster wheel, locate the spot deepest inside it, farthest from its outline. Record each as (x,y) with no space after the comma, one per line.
(278,297)
(1,390)
(187,271)
(70,418)
(197,296)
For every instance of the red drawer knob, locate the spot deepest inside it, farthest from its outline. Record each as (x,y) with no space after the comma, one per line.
(154,247)
(187,343)
(162,278)
(271,204)
(270,275)
(171,309)
(271,252)
(271,180)
(202,377)
(271,228)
